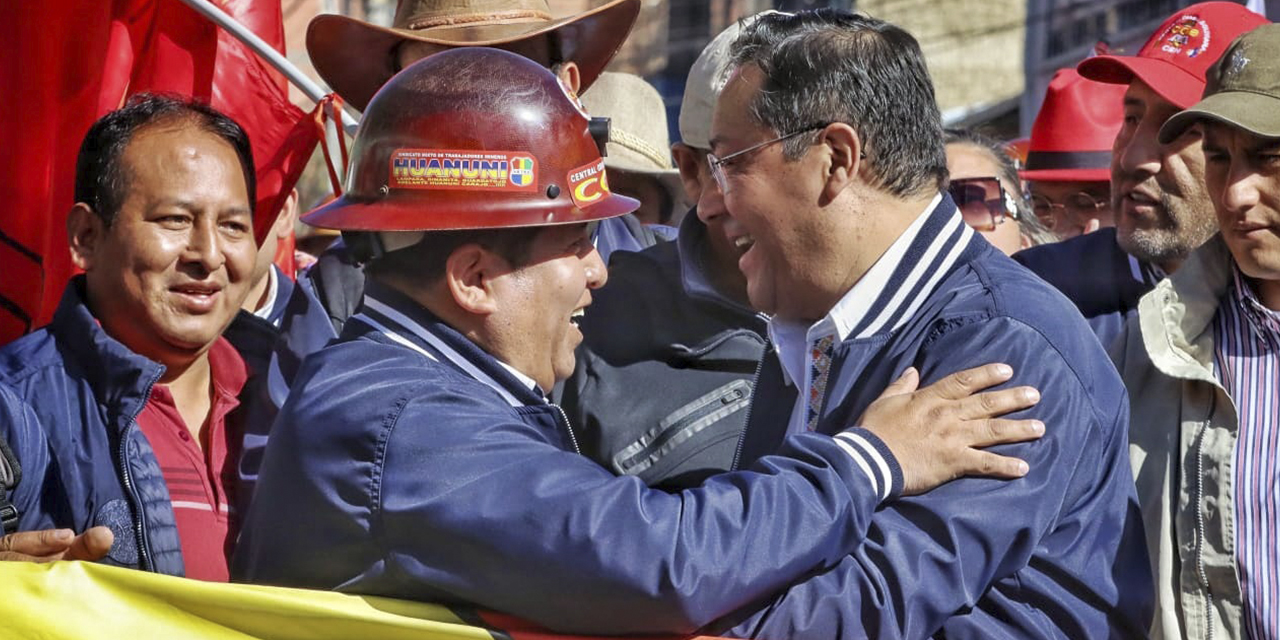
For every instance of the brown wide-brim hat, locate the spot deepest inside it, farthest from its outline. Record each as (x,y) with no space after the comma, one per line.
(356,58)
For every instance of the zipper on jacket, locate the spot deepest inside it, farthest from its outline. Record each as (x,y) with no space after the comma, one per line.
(746,422)
(569,428)
(1200,528)
(144,562)
(681,425)
(139,529)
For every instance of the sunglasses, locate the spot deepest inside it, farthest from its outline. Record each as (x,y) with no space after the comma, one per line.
(982,202)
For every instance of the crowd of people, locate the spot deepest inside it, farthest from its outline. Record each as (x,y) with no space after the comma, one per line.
(820,369)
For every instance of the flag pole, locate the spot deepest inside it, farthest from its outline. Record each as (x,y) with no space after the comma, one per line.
(268,53)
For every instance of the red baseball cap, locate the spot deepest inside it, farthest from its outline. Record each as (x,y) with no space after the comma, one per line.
(1175,60)
(1072,136)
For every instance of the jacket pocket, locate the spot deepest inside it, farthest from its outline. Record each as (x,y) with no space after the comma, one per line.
(682,425)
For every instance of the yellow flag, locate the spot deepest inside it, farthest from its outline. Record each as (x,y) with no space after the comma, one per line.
(78,600)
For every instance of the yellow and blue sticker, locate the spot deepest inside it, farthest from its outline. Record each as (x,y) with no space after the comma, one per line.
(463,170)
(522,172)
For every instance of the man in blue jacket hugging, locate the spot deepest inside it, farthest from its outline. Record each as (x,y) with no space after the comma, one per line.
(827,144)
(418,457)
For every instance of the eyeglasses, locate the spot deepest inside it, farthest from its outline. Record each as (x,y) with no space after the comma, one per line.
(1078,207)
(717,168)
(983,202)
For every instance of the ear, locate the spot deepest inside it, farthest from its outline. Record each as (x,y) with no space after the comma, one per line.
(572,76)
(84,234)
(284,223)
(469,273)
(1024,241)
(1092,225)
(690,162)
(844,159)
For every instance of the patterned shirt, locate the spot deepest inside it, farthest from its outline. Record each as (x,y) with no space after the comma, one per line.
(882,300)
(1247,359)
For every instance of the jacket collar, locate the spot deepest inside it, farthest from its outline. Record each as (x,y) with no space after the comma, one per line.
(119,377)
(409,324)
(891,291)
(1176,318)
(282,286)
(694,252)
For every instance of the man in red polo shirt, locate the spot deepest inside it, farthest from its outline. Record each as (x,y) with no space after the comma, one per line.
(132,385)
(195,462)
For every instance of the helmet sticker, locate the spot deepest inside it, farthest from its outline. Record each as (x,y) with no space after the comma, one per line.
(463,170)
(522,172)
(588,184)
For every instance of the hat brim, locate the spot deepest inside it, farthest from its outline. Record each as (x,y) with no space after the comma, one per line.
(1170,81)
(668,179)
(355,58)
(1095,174)
(1255,113)
(410,214)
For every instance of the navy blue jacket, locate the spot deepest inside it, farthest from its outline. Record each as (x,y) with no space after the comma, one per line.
(1095,274)
(273,349)
(664,373)
(1058,553)
(84,451)
(19,426)
(393,471)
(85,460)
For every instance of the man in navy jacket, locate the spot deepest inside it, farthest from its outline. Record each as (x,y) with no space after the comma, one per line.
(162,228)
(827,144)
(418,457)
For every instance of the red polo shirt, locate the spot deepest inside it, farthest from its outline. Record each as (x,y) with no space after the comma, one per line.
(200,474)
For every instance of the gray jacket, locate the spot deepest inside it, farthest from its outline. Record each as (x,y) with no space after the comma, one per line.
(1182,439)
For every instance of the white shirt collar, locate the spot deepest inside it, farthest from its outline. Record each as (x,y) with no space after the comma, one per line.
(525,380)
(443,348)
(792,339)
(273,289)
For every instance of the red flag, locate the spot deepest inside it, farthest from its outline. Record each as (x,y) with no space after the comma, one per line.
(71,61)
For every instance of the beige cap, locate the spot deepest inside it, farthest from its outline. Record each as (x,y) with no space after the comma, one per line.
(706,80)
(638,138)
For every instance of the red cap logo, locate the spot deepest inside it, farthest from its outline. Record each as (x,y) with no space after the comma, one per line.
(1188,35)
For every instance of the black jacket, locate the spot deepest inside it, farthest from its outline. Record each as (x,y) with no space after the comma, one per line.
(664,374)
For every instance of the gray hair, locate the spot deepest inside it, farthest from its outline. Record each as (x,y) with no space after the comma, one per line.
(828,66)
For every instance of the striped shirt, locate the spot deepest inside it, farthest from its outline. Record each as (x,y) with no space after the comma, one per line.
(201,474)
(881,301)
(1247,359)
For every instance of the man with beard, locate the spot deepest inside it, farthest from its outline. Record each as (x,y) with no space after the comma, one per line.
(1202,364)
(1157,188)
